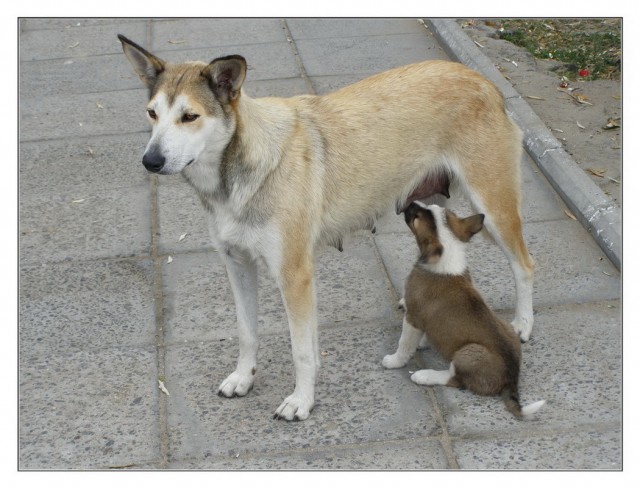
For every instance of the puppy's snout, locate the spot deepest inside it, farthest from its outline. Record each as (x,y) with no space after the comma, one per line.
(410,213)
(153,160)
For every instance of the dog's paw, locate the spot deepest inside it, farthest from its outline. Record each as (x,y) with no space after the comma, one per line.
(431,377)
(393,361)
(294,408)
(522,328)
(236,385)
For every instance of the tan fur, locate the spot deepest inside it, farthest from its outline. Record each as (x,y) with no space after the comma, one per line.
(282,176)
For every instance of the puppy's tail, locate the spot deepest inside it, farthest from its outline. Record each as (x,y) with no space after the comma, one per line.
(511,400)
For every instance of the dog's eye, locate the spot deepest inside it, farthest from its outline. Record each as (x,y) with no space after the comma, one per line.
(152,114)
(189,117)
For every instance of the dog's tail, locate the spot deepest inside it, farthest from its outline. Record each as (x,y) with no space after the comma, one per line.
(511,400)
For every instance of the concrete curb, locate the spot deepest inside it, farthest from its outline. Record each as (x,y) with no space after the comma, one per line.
(597,213)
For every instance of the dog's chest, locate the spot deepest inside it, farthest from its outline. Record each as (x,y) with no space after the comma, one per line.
(227,230)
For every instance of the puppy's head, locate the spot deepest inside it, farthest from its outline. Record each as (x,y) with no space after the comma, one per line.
(441,235)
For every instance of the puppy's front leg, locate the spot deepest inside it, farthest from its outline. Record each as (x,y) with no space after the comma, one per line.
(243,276)
(407,346)
(298,293)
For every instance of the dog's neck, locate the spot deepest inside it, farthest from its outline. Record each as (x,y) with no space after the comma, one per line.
(233,172)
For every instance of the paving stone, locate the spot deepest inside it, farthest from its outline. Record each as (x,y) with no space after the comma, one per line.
(420,454)
(316,28)
(589,450)
(86,305)
(181,34)
(85,75)
(78,115)
(105,224)
(365,55)
(88,409)
(76,42)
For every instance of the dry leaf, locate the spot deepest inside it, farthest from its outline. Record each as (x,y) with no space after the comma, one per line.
(182,236)
(324,353)
(162,387)
(533,97)
(598,173)
(570,215)
(613,180)
(99,105)
(77,201)
(581,99)
(478,44)
(580,125)
(612,123)
(75,45)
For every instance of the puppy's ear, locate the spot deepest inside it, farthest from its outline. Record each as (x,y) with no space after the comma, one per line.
(226,76)
(464,229)
(145,64)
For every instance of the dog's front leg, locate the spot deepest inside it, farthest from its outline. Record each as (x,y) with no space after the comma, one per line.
(298,293)
(243,276)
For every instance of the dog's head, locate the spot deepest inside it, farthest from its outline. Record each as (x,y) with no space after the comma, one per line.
(190,106)
(441,236)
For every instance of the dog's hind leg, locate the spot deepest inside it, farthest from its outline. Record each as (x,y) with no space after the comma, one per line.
(493,186)
(243,276)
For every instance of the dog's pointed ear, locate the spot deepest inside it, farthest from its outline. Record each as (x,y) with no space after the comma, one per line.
(146,65)
(465,228)
(226,76)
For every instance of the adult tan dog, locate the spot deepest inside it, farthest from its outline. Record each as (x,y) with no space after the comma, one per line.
(279,177)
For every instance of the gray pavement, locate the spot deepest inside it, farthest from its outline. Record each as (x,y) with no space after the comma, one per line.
(104,316)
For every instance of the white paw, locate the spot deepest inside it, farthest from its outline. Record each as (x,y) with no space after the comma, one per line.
(294,408)
(393,361)
(431,377)
(522,328)
(236,384)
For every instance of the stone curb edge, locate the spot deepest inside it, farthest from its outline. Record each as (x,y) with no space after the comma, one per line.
(600,215)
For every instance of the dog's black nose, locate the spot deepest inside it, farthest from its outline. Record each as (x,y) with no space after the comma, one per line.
(153,161)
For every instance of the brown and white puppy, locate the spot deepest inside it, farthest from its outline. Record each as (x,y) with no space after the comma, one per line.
(441,302)
(279,177)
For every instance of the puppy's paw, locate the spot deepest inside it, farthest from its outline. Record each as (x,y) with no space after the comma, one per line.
(294,408)
(393,361)
(236,384)
(522,328)
(431,377)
